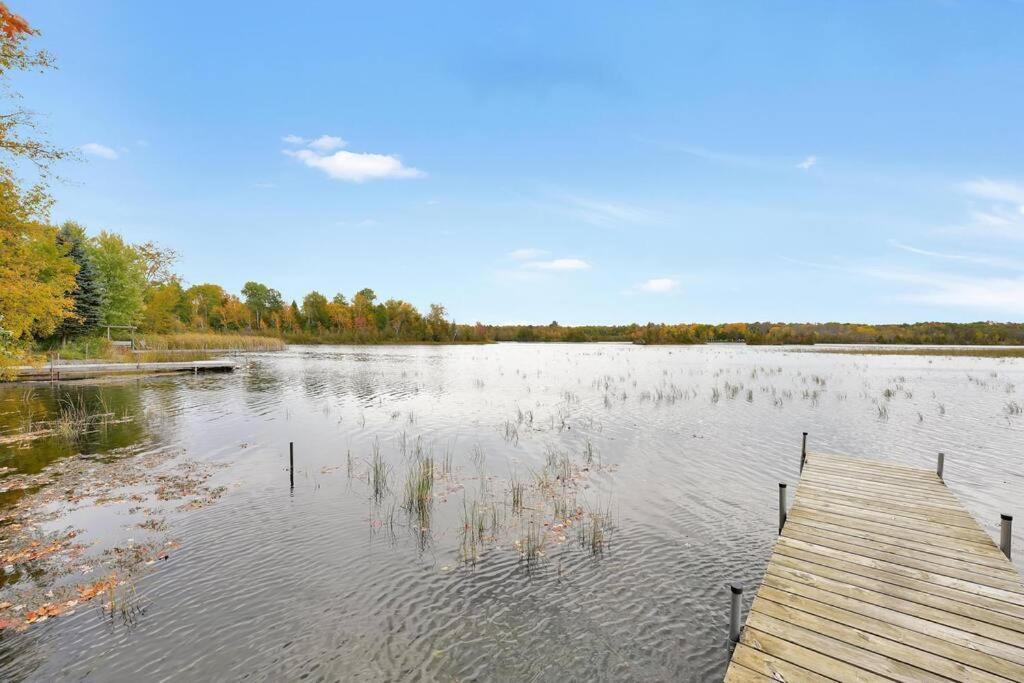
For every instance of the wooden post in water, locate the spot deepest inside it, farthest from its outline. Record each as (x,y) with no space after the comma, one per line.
(1005,534)
(734,614)
(938,466)
(803,453)
(782,506)
(291,462)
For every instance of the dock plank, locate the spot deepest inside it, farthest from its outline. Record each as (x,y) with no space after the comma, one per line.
(881,574)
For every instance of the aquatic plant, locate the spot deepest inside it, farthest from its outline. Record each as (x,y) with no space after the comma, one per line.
(378,475)
(518,492)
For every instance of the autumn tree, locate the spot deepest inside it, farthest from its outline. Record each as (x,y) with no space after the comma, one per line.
(165,307)
(439,327)
(36,277)
(203,303)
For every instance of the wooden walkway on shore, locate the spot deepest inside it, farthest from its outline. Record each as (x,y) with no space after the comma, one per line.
(67,371)
(880,574)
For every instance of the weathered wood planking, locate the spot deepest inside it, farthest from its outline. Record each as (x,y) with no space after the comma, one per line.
(68,371)
(881,575)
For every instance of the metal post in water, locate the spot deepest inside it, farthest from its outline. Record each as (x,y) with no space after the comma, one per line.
(782,506)
(803,453)
(1005,534)
(734,614)
(291,462)
(938,466)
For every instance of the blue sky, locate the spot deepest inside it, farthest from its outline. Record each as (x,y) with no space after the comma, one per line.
(584,162)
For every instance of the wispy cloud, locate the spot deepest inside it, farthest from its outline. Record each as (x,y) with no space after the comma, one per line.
(807,163)
(979,259)
(1002,216)
(326,143)
(95,149)
(995,294)
(603,213)
(352,167)
(996,190)
(659,285)
(558,264)
(527,254)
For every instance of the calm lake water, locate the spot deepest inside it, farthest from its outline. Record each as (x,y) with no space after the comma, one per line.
(663,461)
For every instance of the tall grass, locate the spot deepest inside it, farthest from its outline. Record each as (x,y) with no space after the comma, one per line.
(199,341)
(378,474)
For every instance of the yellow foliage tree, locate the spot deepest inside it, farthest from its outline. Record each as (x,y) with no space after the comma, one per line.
(35,276)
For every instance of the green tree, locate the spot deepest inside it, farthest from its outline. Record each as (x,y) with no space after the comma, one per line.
(122,274)
(315,312)
(261,300)
(88,291)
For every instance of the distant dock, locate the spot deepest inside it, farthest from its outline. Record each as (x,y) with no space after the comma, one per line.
(880,574)
(71,371)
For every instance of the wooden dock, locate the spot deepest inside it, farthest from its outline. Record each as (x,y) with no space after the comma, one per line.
(880,574)
(69,371)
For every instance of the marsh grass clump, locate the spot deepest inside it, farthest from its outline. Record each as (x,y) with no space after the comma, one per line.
(594,533)
(1014,408)
(477,520)
(378,474)
(518,492)
(531,544)
(419,487)
(588,453)
(511,432)
(75,419)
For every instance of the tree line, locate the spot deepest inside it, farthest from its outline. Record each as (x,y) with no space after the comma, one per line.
(756,333)
(59,283)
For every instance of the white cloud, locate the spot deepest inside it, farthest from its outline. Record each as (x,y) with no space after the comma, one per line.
(1001,294)
(996,190)
(659,284)
(95,149)
(558,264)
(326,143)
(526,254)
(355,167)
(293,140)
(807,163)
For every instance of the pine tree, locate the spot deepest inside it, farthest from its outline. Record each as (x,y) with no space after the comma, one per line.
(88,291)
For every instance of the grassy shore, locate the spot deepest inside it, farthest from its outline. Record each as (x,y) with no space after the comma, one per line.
(158,347)
(880,350)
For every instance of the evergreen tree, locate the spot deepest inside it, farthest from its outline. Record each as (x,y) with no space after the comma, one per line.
(88,291)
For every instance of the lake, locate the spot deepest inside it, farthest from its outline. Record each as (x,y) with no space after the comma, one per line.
(499,512)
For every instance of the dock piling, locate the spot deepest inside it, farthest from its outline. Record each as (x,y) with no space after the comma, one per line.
(291,462)
(803,453)
(782,506)
(939,464)
(734,614)
(1005,534)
